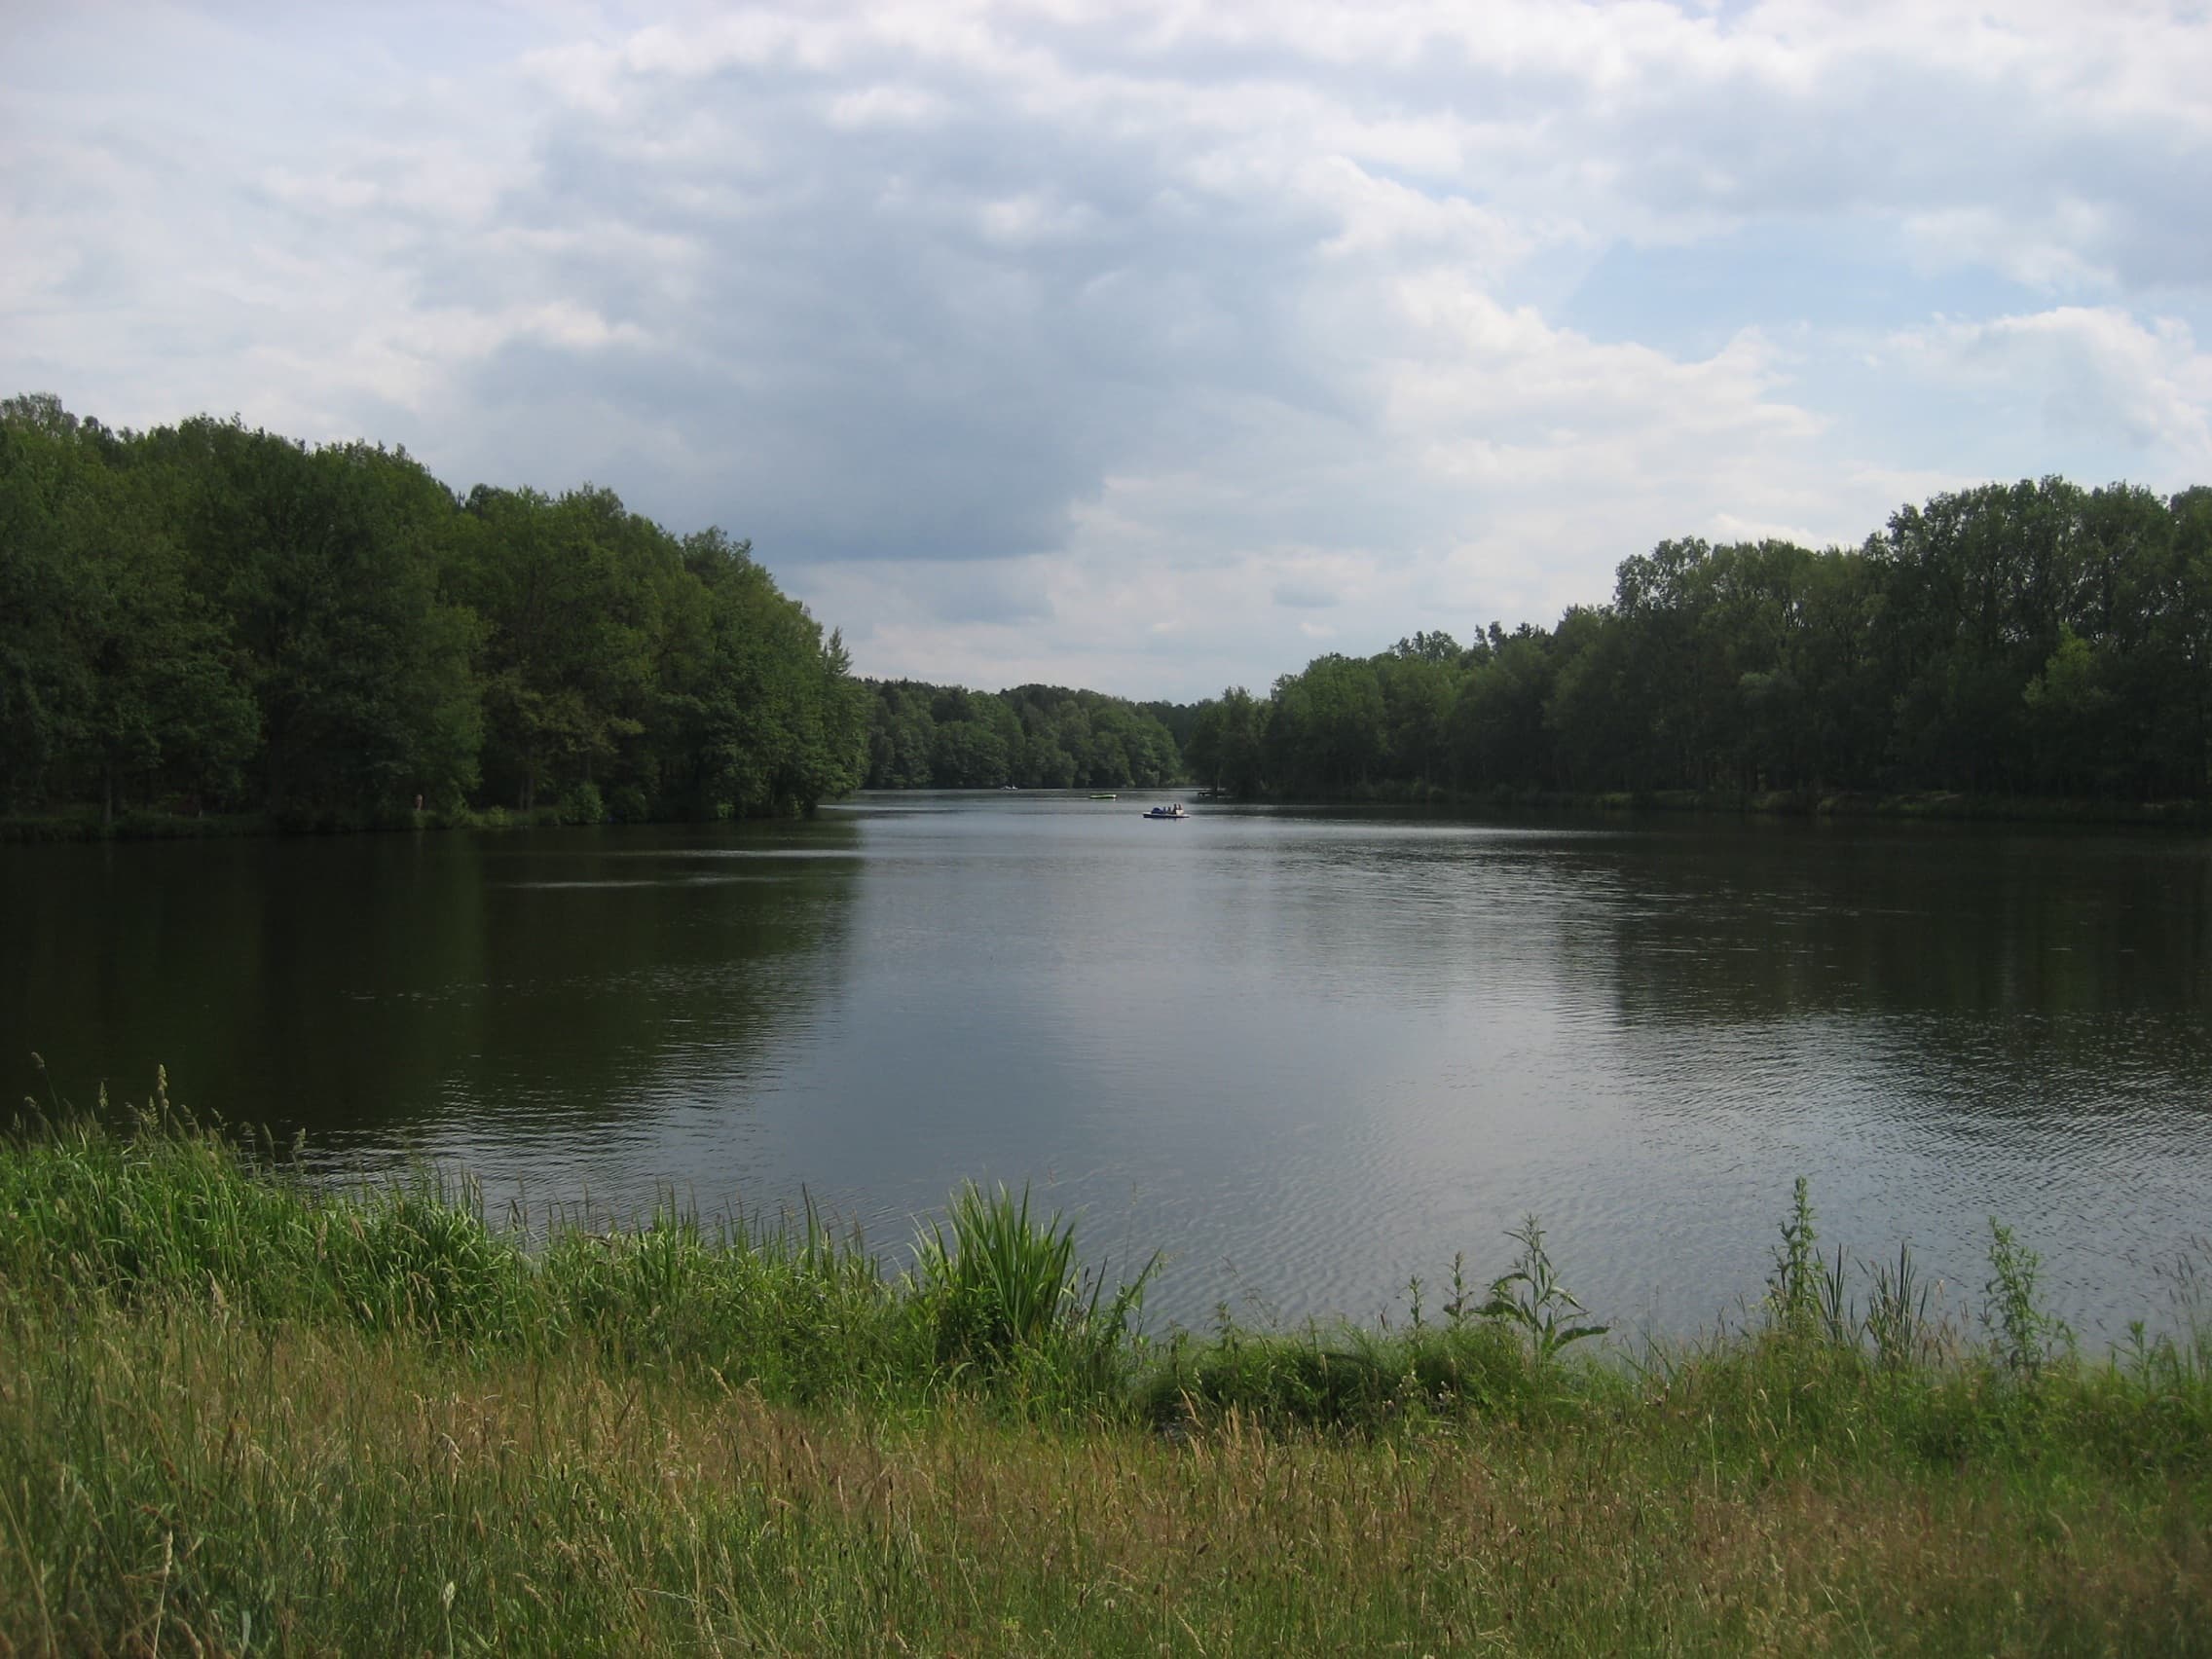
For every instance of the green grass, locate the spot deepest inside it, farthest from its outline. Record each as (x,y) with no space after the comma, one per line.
(242,1413)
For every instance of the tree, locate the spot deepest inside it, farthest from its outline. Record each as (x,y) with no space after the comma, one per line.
(114,671)
(326,564)
(1226,743)
(1326,734)
(1498,735)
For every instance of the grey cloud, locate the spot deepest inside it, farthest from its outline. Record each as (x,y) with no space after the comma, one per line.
(874,377)
(819,334)
(1880,132)
(978,592)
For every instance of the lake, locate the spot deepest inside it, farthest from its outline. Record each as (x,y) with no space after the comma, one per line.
(1307,1054)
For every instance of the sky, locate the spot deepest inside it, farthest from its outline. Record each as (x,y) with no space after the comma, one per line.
(1151,347)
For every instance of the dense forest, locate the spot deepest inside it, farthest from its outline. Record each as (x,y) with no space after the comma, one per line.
(205,617)
(1033,736)
(2014,639)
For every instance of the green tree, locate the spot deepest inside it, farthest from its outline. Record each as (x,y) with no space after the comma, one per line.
(1227,742)
(1326,733)
(114,670)
(326,563)
(1498,734)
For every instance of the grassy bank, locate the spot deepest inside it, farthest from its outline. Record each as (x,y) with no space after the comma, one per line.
(241,1413)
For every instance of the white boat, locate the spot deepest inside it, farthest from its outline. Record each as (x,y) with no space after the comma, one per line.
(1175,809)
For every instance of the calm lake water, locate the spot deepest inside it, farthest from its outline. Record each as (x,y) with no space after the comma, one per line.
(1306,1054)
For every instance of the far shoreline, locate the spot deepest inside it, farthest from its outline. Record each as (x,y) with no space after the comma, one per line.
(85,825)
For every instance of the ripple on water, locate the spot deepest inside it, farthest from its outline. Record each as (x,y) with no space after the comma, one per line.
(1307,1054)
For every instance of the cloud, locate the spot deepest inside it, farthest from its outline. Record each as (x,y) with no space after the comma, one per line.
(2095,372)
(1116,337)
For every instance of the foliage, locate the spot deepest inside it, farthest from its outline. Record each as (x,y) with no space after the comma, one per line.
(1530,1296)
(2024,1331)
(1792,1290)
(1031,736)
(1001,1282)
(1005,1288)
(238,1410)
(210,619)
(2032,640)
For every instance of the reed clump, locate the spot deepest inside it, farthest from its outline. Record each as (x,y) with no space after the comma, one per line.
(243,1412)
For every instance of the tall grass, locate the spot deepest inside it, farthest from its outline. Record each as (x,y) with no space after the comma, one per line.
(240,1411)
(176,1208)
(997,1302)
(188,1484)
(1003,1291)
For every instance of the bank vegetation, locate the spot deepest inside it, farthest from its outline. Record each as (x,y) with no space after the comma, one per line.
(240,1413)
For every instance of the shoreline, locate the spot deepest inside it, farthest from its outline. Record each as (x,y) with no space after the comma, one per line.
(1943,807)
(83,826)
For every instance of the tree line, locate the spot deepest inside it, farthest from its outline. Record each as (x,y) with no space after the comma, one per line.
(207,617)
(946,737)
(2034,639)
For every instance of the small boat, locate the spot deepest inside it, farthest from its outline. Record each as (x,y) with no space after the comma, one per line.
(1175,809)
(1101,797)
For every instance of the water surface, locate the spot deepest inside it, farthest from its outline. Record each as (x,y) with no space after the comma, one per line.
(1309,1055)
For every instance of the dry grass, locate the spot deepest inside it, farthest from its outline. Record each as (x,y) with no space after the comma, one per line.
(176,1478)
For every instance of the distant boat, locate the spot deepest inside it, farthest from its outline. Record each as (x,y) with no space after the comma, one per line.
(1172,810)
(1101,797)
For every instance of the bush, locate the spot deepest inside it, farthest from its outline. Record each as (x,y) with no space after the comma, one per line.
(582,805)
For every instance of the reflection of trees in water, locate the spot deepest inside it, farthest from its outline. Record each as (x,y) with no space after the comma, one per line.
(1681,924)
(2020,973)
(1753,927)
(376,985)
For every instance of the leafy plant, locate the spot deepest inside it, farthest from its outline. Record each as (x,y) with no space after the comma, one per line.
(1461,1302)
(2024,1331)
(1001,1281)
(1532,1297)
(1806,1291)
(1792,1290)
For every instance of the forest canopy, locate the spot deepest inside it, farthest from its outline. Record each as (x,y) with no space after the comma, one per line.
(1033,737)
(204,617)
(2028,640)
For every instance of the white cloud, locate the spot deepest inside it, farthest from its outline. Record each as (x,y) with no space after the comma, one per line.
(1112,337)
(2096,371)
